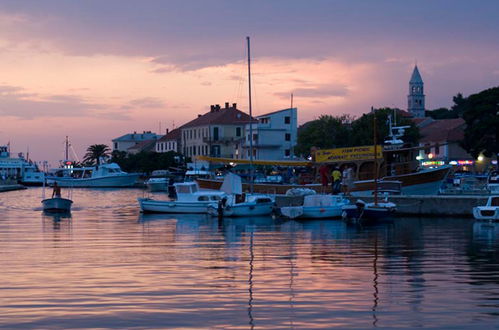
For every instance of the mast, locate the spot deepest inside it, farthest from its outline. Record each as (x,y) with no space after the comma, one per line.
(66,150)
(375,158)
(251,117)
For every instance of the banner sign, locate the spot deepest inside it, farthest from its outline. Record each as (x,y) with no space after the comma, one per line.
(347,154)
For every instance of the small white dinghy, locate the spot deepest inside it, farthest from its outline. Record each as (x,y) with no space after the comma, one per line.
(57,204)
(489,212)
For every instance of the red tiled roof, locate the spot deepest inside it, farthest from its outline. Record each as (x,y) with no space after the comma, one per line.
(174,134)
(443,130)
(223,116)
(143,145)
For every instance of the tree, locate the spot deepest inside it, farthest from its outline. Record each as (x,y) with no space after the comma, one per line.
(145,161)
(362,128)
(325,132)
(481,114)
(95,152)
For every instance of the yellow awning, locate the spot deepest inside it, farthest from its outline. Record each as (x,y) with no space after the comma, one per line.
(255,162)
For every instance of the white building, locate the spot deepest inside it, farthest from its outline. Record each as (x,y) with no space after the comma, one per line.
(123,143)
(169,142)
(274,136)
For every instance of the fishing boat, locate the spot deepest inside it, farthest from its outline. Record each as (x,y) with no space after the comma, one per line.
(98,176)
(317,206)
(189,200)
(489,212)
(361,211)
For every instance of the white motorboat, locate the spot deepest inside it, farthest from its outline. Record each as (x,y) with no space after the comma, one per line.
(238,204)
(317,207)
(57,204)
(189,200)
(104,175)
(489,212)
(493,182)
(20,169)
(157,184)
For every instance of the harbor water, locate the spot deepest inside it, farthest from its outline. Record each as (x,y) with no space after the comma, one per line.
(108,266)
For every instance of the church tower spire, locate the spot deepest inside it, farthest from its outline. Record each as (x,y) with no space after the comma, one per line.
(415,99)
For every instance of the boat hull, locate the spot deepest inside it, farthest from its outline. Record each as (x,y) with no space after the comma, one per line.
(154,186)
(126,180)
(312,212)
(57,204)
(369,212)
(148,205)
(426,182)
(486,213)
(248,209)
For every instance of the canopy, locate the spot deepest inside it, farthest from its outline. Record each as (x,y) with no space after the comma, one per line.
(255,162)
(232,184)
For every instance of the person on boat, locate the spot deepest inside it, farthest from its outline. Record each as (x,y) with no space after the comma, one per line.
(347,180)
(57,191)
(336,175)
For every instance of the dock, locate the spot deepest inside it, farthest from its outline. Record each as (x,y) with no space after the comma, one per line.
(416,205)
(11,187)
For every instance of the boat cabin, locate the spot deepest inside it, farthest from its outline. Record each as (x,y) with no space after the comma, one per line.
(189,191)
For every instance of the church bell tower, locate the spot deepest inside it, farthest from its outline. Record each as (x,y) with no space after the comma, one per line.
(415,99)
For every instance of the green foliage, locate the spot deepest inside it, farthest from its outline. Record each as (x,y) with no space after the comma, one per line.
(325,132)
(481,114)
(95,153)
(343,131)
(441,113)
(362,128)
(146,161)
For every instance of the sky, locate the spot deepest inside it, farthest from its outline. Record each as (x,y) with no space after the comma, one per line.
(94,70)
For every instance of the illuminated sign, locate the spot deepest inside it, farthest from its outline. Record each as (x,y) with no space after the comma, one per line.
(433,163)
(347,154)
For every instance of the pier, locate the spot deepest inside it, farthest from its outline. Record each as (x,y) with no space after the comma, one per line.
(416,205)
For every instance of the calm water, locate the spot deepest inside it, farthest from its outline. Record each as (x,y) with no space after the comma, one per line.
(107,266)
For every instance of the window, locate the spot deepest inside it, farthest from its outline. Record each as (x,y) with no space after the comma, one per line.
(215,133)
(287,152)
(437,149)
(255,137)
(238,131)
(203,198)
(427,149)
(264,120)
(115,145)
(287,120)
(287,137)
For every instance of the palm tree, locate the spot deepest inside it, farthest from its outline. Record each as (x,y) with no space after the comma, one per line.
(95,152)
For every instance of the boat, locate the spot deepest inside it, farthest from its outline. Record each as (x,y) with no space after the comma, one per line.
(493,182)
(99,176)
(238,204)
(189,200)
(489,212)
(57,204)
(317,206)
(19,169)
(361,211)
(156,184)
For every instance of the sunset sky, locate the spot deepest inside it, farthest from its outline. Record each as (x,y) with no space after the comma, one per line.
(95,70)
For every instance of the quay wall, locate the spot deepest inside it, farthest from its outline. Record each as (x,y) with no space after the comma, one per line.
(10,187)
(416,205)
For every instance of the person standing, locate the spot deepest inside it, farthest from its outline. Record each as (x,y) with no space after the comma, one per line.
(324,172)
(347,180)
(336,175)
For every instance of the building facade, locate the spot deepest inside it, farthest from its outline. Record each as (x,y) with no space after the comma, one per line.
(217,133)
(274,136)
(127,141)
(169,142)
(416,97)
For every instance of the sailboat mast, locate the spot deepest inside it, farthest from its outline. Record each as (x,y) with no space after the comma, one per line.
(67,149)
(375,158)
(251,117)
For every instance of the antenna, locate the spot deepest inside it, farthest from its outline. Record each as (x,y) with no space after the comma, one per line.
(291,100)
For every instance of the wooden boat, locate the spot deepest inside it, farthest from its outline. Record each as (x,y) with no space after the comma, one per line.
(489,212)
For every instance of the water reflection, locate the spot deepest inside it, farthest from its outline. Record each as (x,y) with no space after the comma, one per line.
(123,269)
